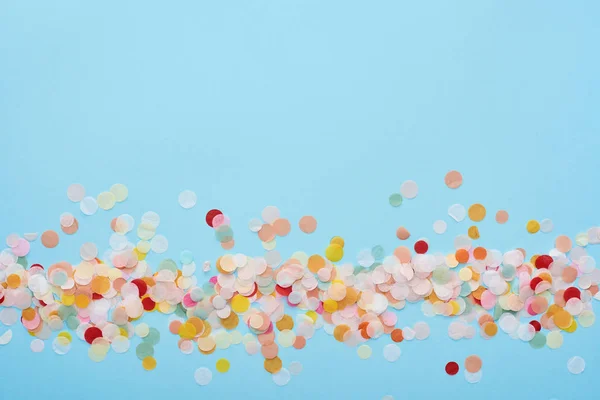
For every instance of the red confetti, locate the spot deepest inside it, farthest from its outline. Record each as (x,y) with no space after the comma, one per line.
(572,292)
(421,247)
(148,304)
(211,215)
(92,333)
(452,368)
(543,262)
(536,325)
(142,286)
(534,282)
(283,291)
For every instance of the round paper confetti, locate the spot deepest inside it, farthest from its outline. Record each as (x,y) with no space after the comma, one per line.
(439,227)
(50,239)
(76,192)
(501,217)
(458,212)
(395,200)
(473,377)
(576,365)
(295,368)
(282,377)
(308,224)
(473,364)
(88,206)
(106,200)
(203,376)
(402,233)
(37,345)
(453,179)
(477,212)
(222,365)
(391,352)
(452,368)
(533,226)
(409,189)
(6,337)
(159,244)
(120,192)
(187,199)
(546,226)
(364,351)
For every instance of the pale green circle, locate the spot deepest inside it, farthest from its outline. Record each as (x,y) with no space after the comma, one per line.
(587,318)
(538,341)
(153,337)
(364,352)
(144,350)
(395,199)
(554,339)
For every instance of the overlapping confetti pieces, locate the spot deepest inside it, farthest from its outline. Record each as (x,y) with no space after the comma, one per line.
(269,302)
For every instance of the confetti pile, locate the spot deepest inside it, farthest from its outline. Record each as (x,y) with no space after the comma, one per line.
(270,302)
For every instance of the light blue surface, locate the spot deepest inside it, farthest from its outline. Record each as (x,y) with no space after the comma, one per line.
(318,107)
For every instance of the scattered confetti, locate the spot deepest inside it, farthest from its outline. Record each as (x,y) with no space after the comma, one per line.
(308,224)
(402,233)
(187,199)
(546,226)
(391,352)
(533,226)
(222,365)
(282,377)
(409,189)
(76,192)
(458,212)
(453,179)
(395,200)
(50,239)
(477,212)
(203,376)
(501,217)
(473,364)
(452,368)
(30,237)
(364,351)
(440,227)
(88,205)
(101,298)
(576,365)
(6,337)
(37,345)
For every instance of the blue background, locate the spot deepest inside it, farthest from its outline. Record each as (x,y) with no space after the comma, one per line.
(320,108)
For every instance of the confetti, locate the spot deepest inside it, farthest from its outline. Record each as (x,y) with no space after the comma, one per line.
(452,368)
(440,227)
(203,376)
(409,189)
(6,337)
(395,200)
(453,179)
(458,212)
(187,199)
(477,212)
(76,192)
(282,377)
(576,365)
(50,239)
(308,224)
(391,352)
(501,217)
(282,301)
(88,205)
(402,233)
(533,226)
